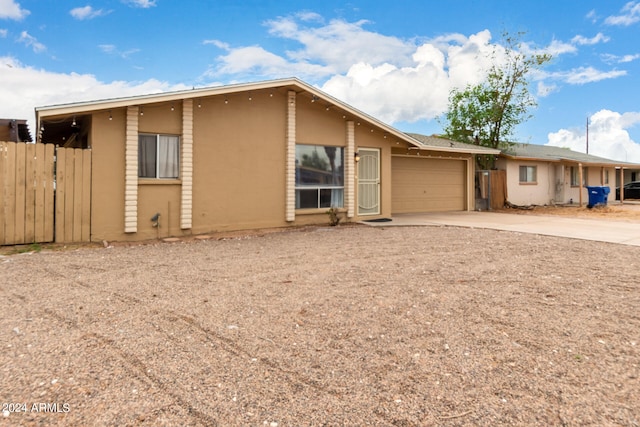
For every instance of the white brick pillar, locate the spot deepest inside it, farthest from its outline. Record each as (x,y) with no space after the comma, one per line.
(131,172)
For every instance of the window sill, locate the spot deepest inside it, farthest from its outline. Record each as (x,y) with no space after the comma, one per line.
(529,183)
(316,211)
(154,181)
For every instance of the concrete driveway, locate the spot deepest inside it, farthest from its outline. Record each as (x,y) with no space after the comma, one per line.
(627,233)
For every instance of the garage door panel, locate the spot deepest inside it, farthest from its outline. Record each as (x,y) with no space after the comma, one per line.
(427,185)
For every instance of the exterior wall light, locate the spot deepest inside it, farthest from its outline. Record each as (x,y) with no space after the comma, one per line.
(356,156)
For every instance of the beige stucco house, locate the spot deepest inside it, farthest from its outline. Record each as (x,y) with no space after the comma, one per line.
(544,175)
(246,156)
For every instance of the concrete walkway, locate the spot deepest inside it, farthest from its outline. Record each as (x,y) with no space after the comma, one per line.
(602,230)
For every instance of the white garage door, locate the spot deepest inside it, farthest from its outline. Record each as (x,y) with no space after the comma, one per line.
(427,185)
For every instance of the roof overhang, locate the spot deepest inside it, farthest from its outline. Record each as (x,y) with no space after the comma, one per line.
(611,164)
(292,83)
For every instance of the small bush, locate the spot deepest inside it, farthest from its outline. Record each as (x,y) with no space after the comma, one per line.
(334,218)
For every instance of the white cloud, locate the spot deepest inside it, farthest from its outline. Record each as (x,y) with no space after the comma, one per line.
(25,87)
(420,91)
(598,38)
(338,43)
(611,59)
(9,9)
(86,12)
(557,48)
(592,16)
(113,50)
(608,136)
(219,44)
(255,61)
(582,75)
(388,77)
(630,14)
(544,89)
(144,4)
(3,33)
(32,42)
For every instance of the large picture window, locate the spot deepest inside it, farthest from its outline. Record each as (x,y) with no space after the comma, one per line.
(158,156)
(319,176)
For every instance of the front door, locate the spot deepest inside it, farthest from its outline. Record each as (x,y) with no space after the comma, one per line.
(369,181)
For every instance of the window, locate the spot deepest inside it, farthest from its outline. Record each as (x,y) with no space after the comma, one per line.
(606,176)
(158,156)
(528,174)
(575,176)
(319,176)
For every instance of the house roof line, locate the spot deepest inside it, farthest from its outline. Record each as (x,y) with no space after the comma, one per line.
(569,160)
(427,142)
(291,82)
(154,98)
(546,153)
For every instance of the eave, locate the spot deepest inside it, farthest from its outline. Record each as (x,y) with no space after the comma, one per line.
(293,83)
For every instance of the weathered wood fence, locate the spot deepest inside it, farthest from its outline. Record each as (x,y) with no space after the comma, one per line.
(491,189)
(45,193)
(498,189)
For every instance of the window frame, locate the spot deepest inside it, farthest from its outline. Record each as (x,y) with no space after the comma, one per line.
(528,180)
(158,153)
(336,190)
(575,178)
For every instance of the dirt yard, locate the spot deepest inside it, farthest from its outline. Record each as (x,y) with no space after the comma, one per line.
(615,212)
(348,326)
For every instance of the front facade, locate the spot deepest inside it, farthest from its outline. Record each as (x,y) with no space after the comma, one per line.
(545,175)
(269,154)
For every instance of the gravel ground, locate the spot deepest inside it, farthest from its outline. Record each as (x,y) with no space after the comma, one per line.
(349,325)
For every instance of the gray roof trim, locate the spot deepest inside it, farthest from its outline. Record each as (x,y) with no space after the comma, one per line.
(534,152)
(443,144)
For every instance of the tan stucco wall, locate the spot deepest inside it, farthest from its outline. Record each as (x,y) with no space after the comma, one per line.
(238,164)
(107,175)
(239,148)
(107,183)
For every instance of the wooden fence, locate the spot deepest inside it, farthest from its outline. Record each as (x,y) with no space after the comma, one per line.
(45,192)
(498,189)
(491,189)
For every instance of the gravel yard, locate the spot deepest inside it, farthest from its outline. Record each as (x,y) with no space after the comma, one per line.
(349,325)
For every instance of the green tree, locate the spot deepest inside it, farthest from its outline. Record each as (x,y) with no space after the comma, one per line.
(487,113)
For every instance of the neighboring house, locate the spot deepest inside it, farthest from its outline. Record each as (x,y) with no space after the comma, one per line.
(12,130)
(266,154)
(544,175)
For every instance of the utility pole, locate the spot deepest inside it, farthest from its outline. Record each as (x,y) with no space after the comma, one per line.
(587,134)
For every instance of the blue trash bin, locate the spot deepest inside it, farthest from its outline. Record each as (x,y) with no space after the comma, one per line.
(597,196)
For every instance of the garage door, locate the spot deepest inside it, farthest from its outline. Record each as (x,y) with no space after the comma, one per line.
(427,185)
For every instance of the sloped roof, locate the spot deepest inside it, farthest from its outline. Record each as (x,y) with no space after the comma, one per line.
(557,154)
(438,141)
(288,83)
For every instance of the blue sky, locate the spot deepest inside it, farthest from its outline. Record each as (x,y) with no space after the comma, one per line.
(394,60)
